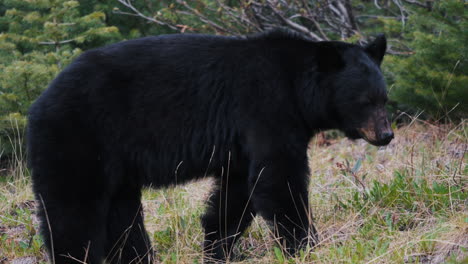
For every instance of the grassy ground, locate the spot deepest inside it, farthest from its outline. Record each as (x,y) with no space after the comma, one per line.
(404,203)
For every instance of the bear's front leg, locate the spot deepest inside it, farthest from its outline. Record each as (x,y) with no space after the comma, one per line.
(228,215)
(280,195)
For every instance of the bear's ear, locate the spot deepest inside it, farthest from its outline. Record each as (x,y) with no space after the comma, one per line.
(376,49)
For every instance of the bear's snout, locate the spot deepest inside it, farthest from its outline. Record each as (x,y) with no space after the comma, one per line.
(377,129)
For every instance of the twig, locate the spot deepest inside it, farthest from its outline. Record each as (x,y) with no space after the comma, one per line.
(128,4)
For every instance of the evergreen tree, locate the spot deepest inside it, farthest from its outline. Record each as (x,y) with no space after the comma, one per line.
(37,39)
(433,78)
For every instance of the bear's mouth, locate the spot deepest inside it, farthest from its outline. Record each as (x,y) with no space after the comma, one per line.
(371,139)
(369,136)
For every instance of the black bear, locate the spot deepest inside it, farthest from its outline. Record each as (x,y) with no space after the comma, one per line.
(163,110)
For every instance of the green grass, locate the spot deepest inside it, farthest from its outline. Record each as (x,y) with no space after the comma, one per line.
(404,203)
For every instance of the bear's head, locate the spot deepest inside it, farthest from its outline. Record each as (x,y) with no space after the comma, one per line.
(359,92)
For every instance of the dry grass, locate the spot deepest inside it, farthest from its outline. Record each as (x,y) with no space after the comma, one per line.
(404,203)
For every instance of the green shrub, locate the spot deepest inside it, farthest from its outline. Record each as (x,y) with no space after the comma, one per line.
(399,203)
(433,78)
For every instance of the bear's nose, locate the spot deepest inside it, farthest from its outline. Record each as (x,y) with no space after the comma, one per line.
(387,136)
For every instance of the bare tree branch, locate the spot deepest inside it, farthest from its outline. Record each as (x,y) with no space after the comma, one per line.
(415,2)
(129,5)
(317,19)
(294,25)
(205,19)
(56,42)
(349,9)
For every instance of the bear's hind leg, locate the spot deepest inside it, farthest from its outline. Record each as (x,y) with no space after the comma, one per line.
(228,215)
(127,240)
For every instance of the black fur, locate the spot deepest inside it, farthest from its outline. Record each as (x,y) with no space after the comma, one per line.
(164,110)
